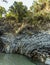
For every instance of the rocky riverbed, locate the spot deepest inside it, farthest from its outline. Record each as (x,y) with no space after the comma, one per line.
(35,46)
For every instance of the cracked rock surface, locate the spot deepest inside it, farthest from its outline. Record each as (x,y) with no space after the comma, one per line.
(35,45)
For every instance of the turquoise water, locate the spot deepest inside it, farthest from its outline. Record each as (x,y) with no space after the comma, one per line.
(15,59)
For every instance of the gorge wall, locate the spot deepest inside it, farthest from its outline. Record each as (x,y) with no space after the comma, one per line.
(35,46)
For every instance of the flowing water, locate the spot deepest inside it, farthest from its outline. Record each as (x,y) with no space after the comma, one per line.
(15,59)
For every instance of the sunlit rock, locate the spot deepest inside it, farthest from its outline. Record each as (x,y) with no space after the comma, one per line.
(47,61)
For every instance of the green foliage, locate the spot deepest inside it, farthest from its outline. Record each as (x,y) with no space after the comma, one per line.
(5,1)
(12,16)
(20,9)
(41,12)
(2,11)
(38,15)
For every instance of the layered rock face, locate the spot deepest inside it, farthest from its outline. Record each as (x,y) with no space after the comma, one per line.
(33,46)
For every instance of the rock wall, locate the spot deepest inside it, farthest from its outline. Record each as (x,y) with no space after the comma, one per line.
(35,46)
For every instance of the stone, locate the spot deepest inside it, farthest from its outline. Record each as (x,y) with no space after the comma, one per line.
(27,45)
(47,61)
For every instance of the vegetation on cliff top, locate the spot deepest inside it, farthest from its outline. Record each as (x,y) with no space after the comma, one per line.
(18,14)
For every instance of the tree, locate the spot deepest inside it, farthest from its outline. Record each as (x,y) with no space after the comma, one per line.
(18,9)
(2,11)
(41,12)
(5,1)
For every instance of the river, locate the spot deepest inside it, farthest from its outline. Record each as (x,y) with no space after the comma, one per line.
(15,59)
